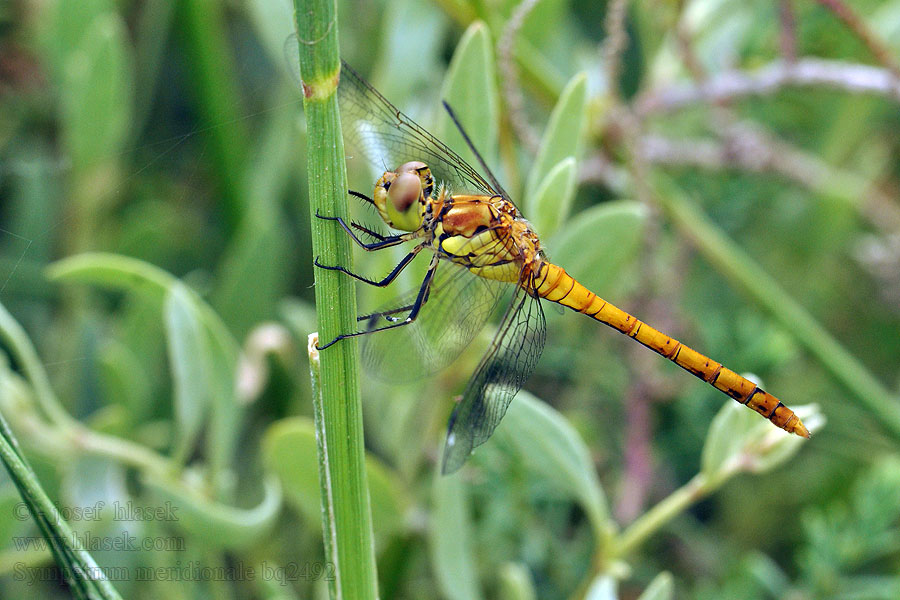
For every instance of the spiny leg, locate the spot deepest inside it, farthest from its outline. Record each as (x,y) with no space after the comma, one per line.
(386,314)
(383,241)
(384,282)
(410,318)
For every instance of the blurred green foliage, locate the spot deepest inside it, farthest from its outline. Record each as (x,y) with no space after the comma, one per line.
(154,246)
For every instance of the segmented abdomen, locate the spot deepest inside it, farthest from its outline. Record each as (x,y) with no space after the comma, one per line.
(554,284)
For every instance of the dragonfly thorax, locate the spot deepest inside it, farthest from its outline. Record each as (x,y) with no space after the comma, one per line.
(401,195)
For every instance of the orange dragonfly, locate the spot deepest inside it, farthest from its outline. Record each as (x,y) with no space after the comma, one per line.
(480,246)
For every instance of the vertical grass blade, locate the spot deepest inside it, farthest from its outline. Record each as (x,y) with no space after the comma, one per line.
(350,526)
(84,577)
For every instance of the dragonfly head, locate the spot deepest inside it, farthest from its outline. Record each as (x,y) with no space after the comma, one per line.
(400,195)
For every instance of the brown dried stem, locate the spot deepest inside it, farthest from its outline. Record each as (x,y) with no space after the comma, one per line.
(788,33)
(848,77)
(879,50)
(614,44)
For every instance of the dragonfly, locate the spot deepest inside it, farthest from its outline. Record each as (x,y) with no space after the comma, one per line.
(483,255)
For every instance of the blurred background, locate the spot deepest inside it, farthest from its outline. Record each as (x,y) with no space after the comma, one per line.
(170,138)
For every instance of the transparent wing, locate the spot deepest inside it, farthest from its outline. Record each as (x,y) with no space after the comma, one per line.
(388,138)
(456,308)
(505,367)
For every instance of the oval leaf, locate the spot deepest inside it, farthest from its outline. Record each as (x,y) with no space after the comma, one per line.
(599,242)
(450,537)
(471,91)
(553,199)
(113,271)
(124,380)
(563,136)
(289,451)
(547,443)
(189,362)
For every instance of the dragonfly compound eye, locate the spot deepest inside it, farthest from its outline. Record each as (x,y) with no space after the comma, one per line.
(423,172)
(405,191)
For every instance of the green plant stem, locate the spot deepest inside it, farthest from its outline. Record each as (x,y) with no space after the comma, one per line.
(324,483)
(662,513)
(350,528)
(63,424)
(123,451)
(23,352)
(768,294)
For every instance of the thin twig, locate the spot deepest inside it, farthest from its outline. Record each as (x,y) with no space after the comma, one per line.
(686,47)
(788,33)
(748,147)
(509,77)
(614,44)
(849,77)
(638,472)
(879,50)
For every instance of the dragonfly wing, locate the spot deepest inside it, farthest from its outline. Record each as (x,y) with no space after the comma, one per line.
(388,138)
(508,363)
(456,308)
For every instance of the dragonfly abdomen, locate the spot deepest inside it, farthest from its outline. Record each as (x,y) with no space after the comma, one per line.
(554,284)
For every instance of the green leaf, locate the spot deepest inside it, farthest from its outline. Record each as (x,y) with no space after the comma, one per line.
(450,537)
(225,418)
(124,380)
(549,445)
(189,362)
(202,353)
(255,268)
(599,242)
(113,271)
(516,582)
(471,91)
(96,93)
(406,61)
(661,588)
(562,137)
(876,497)
(219,525)
(553,198)
(289,452)
(253,273)
(65,28)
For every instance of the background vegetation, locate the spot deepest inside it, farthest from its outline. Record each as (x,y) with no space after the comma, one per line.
(727,170)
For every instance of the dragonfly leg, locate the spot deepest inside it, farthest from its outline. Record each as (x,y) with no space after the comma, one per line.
(388,315)
(367,231)
(383,241)
(361,196)
(410,318)
(384,282)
